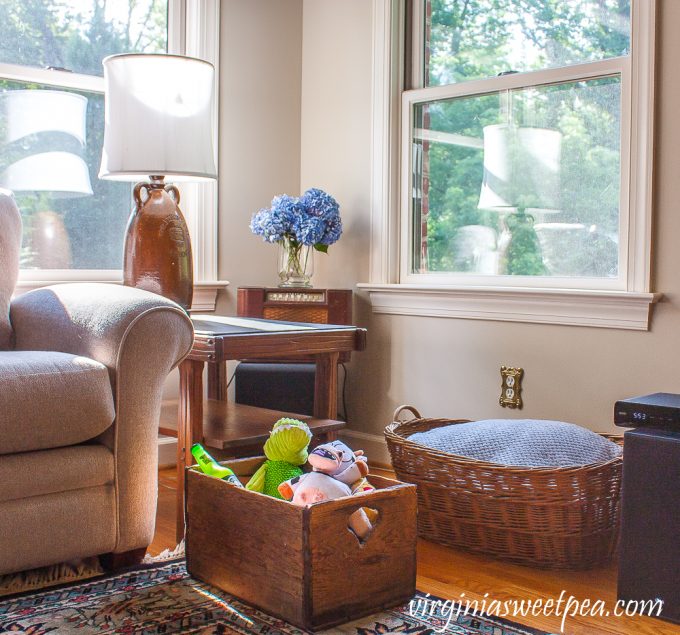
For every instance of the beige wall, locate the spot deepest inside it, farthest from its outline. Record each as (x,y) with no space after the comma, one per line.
(260,73)
(336,128)
(450,367)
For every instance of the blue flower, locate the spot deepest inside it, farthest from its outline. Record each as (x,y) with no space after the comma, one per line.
(312,219)
(320,204)
(309,230)
(333,230)
(323,206)
(277,221)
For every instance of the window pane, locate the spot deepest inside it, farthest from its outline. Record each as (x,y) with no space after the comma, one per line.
(473,39)
(525,182)
(51,144)
(78,34)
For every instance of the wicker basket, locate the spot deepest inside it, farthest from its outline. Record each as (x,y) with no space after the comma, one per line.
(561,518)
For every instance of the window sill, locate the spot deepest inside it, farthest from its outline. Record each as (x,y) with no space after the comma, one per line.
(604,309)
(205,293)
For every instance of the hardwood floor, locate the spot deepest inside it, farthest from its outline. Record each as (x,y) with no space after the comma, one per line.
(448,573)
(164,538)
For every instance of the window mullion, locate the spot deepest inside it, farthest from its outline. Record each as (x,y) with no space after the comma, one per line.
(590,70)
(59,79)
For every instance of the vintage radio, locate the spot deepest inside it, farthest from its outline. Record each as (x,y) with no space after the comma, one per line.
(318,306)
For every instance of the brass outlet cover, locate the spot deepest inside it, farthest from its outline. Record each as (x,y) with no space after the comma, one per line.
(511,387)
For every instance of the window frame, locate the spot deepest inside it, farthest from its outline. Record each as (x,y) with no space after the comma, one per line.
(623,303)
(193,30)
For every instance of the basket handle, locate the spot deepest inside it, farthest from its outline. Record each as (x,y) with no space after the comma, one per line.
(400,409)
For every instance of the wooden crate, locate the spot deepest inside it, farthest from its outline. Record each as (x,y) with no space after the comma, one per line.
(301,564)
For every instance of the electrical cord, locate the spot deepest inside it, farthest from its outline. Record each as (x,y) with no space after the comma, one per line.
(232,377)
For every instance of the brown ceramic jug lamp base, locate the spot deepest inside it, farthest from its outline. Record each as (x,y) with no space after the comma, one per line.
(157,254)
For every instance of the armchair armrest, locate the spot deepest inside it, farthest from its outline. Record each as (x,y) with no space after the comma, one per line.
(89,319)
(140,337)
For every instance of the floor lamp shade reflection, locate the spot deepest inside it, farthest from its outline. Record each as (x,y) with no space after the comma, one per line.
(43,140)
(159,123)
(521,169)
(521,176)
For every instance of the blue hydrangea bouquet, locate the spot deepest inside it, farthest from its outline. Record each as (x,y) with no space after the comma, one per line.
(299,225)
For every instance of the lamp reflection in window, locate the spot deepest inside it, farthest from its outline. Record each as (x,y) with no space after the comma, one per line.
(43,142)
(521,180)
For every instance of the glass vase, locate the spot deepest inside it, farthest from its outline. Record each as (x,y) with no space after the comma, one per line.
(296,264)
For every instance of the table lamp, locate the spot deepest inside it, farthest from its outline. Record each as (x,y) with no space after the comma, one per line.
(521,173)
(158,123)
(43,139)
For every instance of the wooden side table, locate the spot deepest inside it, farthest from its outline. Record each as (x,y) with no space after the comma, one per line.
(238,428)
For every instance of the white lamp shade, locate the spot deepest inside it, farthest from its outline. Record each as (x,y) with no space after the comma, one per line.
(43,132)
(521,168)
(158,118)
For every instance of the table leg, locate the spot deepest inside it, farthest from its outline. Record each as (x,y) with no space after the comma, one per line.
(189,426)
(326,388)
(217,380)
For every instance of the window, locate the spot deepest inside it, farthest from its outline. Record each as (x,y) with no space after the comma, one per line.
(523,161)
(52,126)
(52,131)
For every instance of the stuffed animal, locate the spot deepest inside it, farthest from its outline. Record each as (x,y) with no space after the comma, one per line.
(336,472)
(286,451)
(313,487)
(339,461)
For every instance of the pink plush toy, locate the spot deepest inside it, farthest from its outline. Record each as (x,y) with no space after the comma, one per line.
(336,471)
(313,487)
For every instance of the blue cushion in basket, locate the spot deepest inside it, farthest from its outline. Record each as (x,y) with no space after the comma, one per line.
(521,442)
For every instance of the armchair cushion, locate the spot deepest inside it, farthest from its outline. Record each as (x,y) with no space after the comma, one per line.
(50,400)
(52,471)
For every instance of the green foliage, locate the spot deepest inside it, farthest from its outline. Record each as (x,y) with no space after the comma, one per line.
(523,255)
(473,39)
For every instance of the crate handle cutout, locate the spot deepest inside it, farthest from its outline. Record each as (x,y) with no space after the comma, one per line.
(362,522)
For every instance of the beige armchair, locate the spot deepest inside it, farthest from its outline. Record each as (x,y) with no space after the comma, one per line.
(82,368)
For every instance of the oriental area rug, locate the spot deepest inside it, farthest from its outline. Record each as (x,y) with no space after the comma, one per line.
(164,598)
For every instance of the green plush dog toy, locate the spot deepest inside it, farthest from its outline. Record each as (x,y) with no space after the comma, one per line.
(286,451)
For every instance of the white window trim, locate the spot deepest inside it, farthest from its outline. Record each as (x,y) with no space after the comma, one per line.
(194,31)
(627,308)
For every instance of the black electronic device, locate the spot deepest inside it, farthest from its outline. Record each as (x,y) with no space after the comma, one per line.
(649,557)
(659,410)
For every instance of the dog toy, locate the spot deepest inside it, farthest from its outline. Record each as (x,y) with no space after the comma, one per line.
(339,461)
(286,451)
(336,471)
(313,487)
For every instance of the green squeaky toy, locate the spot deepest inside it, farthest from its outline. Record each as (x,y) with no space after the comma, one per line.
(286,451)
(211,467)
